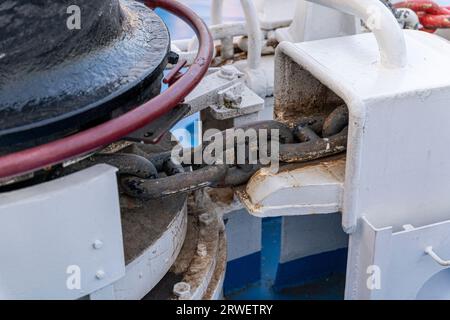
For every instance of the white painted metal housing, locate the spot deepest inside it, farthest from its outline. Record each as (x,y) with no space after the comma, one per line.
(395,202)
(275,14)
(314,22)
(397,265)
(305,189)
(61,239)
(64,239)
(396,172)
(390,112)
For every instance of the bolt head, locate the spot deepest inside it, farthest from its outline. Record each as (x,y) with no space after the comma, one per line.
(98,244)
(182,290)
(202,250)
(228,73)
(205,218)
(100,274)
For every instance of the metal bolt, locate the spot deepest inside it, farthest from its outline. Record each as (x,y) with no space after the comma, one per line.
(408,227)
(182,290)
(97,244)
(231,100)
(205,218)
(100,274)
(173,58)
(202,250)
(227,72)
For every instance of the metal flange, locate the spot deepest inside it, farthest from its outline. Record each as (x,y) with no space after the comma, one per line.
(199,271)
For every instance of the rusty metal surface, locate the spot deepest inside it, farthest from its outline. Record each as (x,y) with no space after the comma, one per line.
(336,121)
(311,138)
(312,98)
(128,164)
(143,222)
(183,182)
(337,158)
(202,269)
(214,290)
(314,149)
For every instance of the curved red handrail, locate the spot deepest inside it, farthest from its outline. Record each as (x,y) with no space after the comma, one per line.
(42,156)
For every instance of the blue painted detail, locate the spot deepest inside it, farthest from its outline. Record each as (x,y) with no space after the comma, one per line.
(242,272)
(329,288)
(262,289)
(271,247)
(311,268)
(192,129)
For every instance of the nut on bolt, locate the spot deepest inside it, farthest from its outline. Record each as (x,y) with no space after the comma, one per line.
(182,290)
(202,250)
(205,219)
(100,274)
(98,244)
(231,100)
(229,73)
(173,58)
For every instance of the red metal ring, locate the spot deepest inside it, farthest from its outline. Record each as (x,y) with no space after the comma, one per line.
(89,140)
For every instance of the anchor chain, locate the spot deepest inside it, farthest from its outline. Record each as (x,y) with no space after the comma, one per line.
(311,138)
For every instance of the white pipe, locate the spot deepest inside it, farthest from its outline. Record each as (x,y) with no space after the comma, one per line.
(385,27)
(217,18)
(252,26)
(254,34)
(217,12)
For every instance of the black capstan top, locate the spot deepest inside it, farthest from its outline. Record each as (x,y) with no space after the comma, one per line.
(66,65)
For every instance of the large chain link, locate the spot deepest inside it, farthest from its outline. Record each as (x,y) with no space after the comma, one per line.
(310,139)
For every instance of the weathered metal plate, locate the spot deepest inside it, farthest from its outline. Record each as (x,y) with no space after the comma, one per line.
(301,189)
(391,263)
(153,234)
(61,239)
(202,261)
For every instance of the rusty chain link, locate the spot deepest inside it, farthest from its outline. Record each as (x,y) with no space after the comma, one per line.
(310,139)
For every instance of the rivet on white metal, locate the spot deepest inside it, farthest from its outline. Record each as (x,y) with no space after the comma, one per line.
(100,274)
(98,244)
